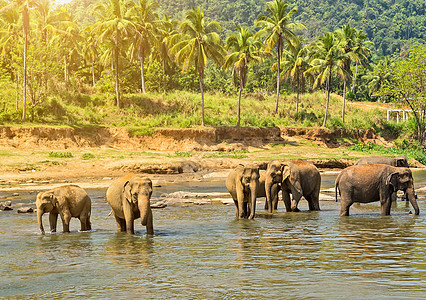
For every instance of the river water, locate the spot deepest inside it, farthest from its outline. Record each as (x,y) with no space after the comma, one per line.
(202,252)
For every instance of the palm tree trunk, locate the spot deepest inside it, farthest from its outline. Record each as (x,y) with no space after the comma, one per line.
(297,97)
(202,99)
(65,69)
(24,92)
(278,78)
(239,102)
(93,73)
(326,103)
(142,74)
(117,84)
(344,100)
(354,79)
(17,91)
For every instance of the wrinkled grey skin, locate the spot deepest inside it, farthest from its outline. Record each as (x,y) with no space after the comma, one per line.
(374,182)
(69,201)
(397,161)
(129,198)
(243,183)
(297,177)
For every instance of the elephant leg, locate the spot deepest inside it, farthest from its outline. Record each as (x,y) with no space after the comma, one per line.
(245,210)
(53,221)
(266,205)
(66,218)
(237,213)
(129,217)
(295,202)
(88,224)
(83,222)
(386,206)
(121,224)
(286,200)
(274,193)
(313,202)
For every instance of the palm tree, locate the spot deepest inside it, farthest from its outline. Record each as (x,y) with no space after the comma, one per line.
(146,22)
(327,61)
(90,50)
(278,28)
(10,26)
(360,52)
(196,44)
(25,6)
(346,40)
(244,50)
(294,63)
(379,75)
(112,27)
(163,34)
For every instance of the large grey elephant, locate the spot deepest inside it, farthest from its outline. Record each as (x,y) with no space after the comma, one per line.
(297,177)
(69,201)
(397,161)
(129,198)
(374,182)
(244,185)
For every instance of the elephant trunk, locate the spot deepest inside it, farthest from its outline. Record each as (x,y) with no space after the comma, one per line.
(144,207)
(253,191)
(40,213)
(412,198)
(268,188)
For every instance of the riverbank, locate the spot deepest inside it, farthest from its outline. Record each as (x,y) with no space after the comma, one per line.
(45,156)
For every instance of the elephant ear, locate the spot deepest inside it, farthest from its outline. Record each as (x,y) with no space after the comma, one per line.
(392,180)
(293,178)
(127,191)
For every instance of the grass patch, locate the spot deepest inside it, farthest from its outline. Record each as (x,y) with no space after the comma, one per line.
(233,154)
(183,154)
(61,154)
(87,156)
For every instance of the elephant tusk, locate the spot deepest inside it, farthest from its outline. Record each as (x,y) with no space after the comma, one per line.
(110,213)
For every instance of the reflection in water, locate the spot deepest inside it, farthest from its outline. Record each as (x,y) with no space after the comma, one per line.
(203,252)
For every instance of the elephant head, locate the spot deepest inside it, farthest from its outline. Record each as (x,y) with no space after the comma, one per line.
(249,179)
(401,161)
(274,175)
(402,180)
(45,202)
(137,192)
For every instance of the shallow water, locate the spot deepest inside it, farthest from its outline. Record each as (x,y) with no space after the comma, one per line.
(202,252)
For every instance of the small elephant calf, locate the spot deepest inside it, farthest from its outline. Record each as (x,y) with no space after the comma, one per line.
(69,201)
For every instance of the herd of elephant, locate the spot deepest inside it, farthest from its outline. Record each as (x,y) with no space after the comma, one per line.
(368,180)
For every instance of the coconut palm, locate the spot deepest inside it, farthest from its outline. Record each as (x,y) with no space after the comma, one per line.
(24,6)
(379,75)
(278,28)
(245,49)
(294,63)
(360,52)
(146,21)
(196,44)
(10,27)
(327,60)
(346,37)
(112,26)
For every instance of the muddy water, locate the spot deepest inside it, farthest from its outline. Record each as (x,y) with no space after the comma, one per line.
(202,252)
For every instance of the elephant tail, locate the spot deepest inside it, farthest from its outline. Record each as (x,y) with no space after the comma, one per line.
(336,186)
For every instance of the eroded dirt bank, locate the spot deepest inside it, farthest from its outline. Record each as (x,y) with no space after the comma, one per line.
(169,139)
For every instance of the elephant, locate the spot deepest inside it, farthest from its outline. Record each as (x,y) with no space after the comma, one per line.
(374,182)
(397,161)
(245,184)
(68,201)
(129,198)
(297,177)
